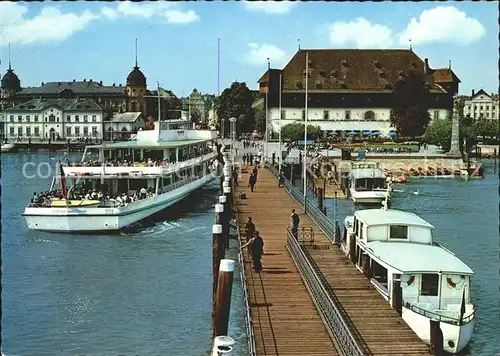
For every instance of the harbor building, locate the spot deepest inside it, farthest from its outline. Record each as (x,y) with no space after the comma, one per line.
(122,126)
(481,106)
(351,89)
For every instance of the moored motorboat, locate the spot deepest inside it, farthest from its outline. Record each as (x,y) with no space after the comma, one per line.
(7,147)
(128,182)
(367,183)
(421,279)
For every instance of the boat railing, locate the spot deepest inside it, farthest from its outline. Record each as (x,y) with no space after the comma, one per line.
(440,317)
(177,184)
(246,298)
(327,226)
(336,320)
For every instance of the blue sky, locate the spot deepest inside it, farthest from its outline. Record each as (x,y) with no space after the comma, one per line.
(177,42)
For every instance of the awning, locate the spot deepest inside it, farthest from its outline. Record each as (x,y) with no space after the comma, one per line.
(392,133)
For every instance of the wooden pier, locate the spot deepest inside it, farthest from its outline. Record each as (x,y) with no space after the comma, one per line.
(284,313)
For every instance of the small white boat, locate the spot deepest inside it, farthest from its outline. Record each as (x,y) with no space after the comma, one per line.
(368,184)
(420,278)
(6,147)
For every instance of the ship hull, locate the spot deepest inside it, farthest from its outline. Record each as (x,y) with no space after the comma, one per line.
(80,220)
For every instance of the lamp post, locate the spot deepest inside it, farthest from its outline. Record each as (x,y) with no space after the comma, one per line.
(232,123)
(279,134)
(304,160)
(267,106)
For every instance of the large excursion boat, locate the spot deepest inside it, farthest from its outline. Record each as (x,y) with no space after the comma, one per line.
(367,184)
(118,184)
(420,278)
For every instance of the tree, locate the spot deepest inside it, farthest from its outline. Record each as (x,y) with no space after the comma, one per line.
(410,115)
(260,119)
(439,133)
(236,101)
(150,123)
(195,116)
(295,132)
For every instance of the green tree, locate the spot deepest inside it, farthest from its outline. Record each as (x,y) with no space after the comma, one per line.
(410,115)
(195,116)
(236,101)
(295,132)
(260,119)
(439,133)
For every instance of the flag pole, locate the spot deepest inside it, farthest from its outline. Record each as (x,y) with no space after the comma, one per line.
(267,106)
(305,137)
(159,108)
(279,134)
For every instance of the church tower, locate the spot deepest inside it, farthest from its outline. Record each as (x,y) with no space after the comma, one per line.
(10,86)
(136,88)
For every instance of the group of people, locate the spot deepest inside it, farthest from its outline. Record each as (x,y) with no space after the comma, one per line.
(256,243)
(249,158)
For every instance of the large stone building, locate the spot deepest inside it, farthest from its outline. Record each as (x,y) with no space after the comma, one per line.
(482,106)
(54,119)
(351,89)
(115,98)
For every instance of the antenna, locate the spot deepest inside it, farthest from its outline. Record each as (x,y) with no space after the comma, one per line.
(9,57)
(449,64)
(410,44)
(298,43)
(218,66)
(136,51)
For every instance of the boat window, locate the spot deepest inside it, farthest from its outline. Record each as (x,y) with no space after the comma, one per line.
(429,285)
(398,232)
(360,230)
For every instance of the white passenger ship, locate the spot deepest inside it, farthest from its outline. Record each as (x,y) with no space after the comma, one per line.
(128,181)
(367,184)
(420,278)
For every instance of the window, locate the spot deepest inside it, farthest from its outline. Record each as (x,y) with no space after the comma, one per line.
(283,114)
(398,232)
(11,118)
(28,131)
(27,118)
(303,115)
(85,131)
(68,118)
(37,131)
(68,131)
(348,115)
(77,131)
(436,114)
(36,118)
(94,118)
(370,116)
(19,131)
(11,131)
(77,118)
(94,130)
(326,115)
(85,119)
(429,285)
(19,118)
(52,118)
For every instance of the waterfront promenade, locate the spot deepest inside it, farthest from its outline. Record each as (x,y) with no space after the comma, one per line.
(285,320)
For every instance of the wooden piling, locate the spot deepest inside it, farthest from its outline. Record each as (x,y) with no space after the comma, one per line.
(216,236)
(223,297)
(397,296)
(227,215)
(352,248)
(436,340)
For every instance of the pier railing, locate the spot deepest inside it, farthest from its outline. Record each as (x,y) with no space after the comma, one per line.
(327,226)
(330,310)
(246,298)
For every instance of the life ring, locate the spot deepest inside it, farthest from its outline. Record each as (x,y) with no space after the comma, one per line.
(454,283)
(408,279)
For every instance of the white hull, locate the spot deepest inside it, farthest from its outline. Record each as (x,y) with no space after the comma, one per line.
(458,335)
(6,147)
(368,197)
(107,219)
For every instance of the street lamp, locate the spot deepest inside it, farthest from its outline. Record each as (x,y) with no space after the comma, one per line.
(232,124)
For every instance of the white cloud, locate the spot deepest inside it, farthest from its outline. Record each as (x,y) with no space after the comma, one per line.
(443,24)
(50,25)
(270,7)
(109,13)
(258,54)
(361,33)
(170,11)
(176,16)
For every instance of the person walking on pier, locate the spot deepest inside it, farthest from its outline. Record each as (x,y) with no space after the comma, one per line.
(255,172)
(295,224)
(281,180)
(257,250)
(251,159)
(249,229)
(244,159)
(251,181)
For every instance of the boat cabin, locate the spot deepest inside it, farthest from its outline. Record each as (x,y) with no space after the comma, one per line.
(367,179)
(391,246)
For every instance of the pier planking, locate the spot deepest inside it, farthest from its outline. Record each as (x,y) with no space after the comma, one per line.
(285,319)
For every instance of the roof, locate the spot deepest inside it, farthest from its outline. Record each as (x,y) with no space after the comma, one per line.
(351,69)
(37,105)
(149,144)
(418,258)
(444,75)
(136,77)
(367,173)
(375,217)
(126,117)
(10,80)
(82,87)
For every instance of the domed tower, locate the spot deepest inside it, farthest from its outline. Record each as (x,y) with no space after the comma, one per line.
(10,85)
(136,88)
